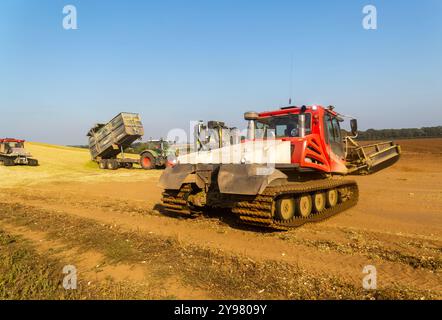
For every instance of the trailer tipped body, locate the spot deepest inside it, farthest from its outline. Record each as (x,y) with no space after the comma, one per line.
(108,141)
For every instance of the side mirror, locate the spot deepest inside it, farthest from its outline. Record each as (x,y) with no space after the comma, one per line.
(354,126)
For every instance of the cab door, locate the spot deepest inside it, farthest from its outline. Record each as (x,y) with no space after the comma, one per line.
(334,136)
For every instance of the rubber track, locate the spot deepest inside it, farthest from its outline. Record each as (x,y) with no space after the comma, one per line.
(176,201)
(259,211)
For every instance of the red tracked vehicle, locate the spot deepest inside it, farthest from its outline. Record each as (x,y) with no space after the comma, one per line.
(305,182)
(13,152)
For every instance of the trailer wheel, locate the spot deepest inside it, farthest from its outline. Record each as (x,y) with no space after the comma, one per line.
(112,164)
(102,164)
(147,161)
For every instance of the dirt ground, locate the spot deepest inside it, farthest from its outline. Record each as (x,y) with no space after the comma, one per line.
(108,224)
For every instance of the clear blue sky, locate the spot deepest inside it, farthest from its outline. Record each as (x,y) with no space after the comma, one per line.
(175,61)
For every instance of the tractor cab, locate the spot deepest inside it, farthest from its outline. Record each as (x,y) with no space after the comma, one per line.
(159,146)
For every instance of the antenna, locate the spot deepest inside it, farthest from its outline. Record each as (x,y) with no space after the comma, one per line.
(291,80)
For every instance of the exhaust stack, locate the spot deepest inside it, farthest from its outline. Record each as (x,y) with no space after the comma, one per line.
(251,116)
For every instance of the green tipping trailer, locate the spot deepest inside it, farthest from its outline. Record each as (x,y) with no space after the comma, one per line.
(108,141)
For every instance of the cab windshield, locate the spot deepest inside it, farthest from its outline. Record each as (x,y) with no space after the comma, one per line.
(286,126)
(15,145)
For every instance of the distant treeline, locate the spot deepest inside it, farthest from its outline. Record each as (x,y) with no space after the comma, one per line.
(407,133)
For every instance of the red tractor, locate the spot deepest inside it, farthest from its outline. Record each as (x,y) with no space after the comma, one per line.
(302,183)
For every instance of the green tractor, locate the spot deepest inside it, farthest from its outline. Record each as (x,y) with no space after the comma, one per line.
(154,155)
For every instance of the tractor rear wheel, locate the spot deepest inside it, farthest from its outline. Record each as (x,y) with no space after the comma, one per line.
(147,161)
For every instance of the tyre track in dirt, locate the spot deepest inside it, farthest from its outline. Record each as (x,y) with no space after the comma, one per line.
(93,267)
(221,273)
(317,255)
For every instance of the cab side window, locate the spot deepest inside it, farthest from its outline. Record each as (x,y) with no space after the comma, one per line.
(329,132)
(336,130)
(333,130)
(333,134)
